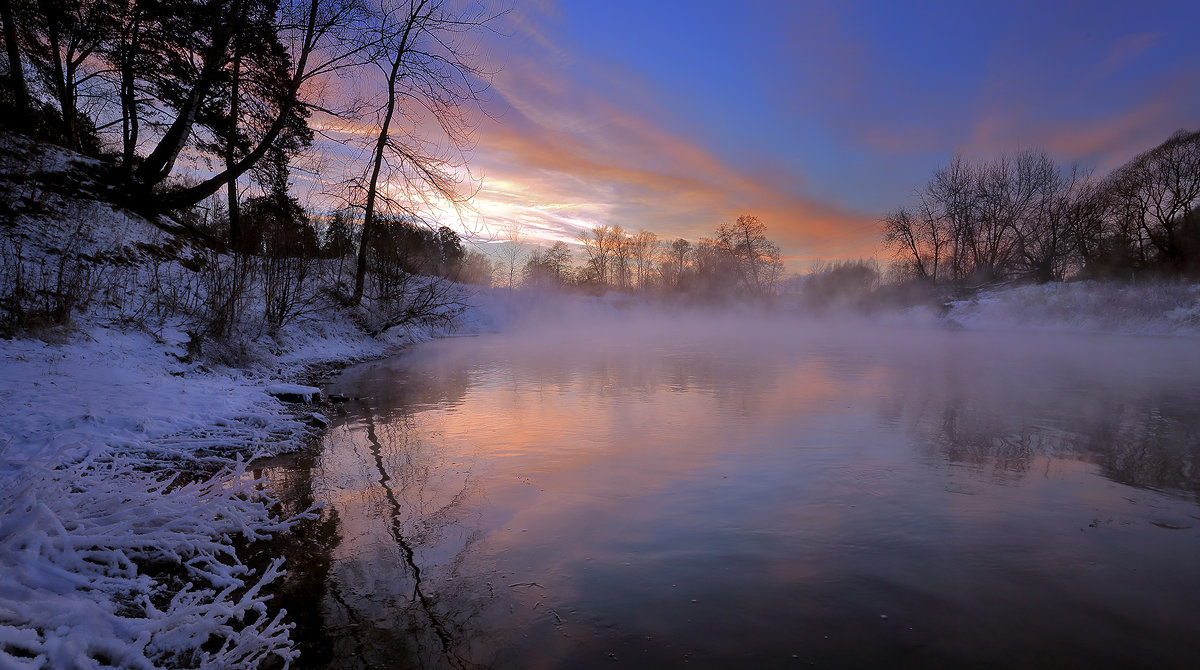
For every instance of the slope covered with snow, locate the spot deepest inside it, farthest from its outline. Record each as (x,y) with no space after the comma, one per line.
(123,486)
(1150,308)
(126,433)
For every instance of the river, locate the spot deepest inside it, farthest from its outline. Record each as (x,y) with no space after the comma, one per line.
(763,493)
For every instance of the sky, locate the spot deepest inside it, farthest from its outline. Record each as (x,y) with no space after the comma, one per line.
(817,116)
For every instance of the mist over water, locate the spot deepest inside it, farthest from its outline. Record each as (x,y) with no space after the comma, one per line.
(612,487)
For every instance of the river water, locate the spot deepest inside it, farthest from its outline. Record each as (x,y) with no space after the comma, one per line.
(764,494)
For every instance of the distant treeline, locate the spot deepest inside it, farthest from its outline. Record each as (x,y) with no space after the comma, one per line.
(1024,217)
(739,261)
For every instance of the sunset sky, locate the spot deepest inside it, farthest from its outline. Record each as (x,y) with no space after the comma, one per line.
(816,116)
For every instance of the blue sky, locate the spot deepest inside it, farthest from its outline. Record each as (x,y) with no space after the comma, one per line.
(817,116)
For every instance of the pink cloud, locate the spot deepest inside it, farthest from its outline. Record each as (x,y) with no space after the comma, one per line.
(580,159)
(1128,48)
(1103,142)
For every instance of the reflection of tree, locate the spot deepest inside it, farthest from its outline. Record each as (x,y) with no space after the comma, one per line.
(409,606)
(412,481)
(1156,445)
(306,551)
(968,437)
(1142,440)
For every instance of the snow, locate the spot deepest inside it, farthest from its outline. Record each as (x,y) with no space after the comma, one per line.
(91,434)
(1150,308)
(124,484)
(74,540)
(308,393)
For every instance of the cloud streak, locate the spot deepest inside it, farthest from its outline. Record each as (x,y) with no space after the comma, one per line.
(562,157)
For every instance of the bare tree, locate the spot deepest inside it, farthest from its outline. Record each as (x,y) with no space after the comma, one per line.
(61,40)
(757,258)
(717,274)
(1157,193)
(950,197)
(598,245)
(512,250)
(1014,217)
(675,262)
(429,75)
(621,253)
(1045,237)
(550,266)
(644,248)
(902,230)
(558,259)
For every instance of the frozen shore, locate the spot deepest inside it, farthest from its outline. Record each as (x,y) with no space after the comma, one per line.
(124,489)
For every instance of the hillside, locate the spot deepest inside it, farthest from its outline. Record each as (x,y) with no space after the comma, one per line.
(127,421)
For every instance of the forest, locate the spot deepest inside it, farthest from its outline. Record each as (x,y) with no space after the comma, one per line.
(1025,217)
(201,115)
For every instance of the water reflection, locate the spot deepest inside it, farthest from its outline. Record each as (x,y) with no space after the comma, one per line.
(1128,405)
(405,515)
(762,500)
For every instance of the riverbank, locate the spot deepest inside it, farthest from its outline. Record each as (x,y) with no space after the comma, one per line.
(125,488)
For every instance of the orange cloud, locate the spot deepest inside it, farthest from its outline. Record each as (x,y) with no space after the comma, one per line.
(561,159)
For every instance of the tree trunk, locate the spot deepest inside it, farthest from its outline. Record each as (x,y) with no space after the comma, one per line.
(15,72)
(185,197)
(368,229)
(360,271)
(161,161)
(62,87)
(127,62)
(236,241)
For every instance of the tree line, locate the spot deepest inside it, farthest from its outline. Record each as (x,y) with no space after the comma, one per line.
(1024,217)
(738,261)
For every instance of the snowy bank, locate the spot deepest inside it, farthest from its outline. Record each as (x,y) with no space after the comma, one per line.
(124,487)
(110,557)
(126,432)
(1166,308)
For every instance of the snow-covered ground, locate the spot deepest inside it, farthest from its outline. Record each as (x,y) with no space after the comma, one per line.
(1151,308)
(124,486)
(123,482)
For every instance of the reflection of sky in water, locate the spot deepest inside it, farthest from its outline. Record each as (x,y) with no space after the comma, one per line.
(740,500)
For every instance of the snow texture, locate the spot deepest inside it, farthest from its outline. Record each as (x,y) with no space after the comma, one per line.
(288,391)
(123,485)
(1151,308)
